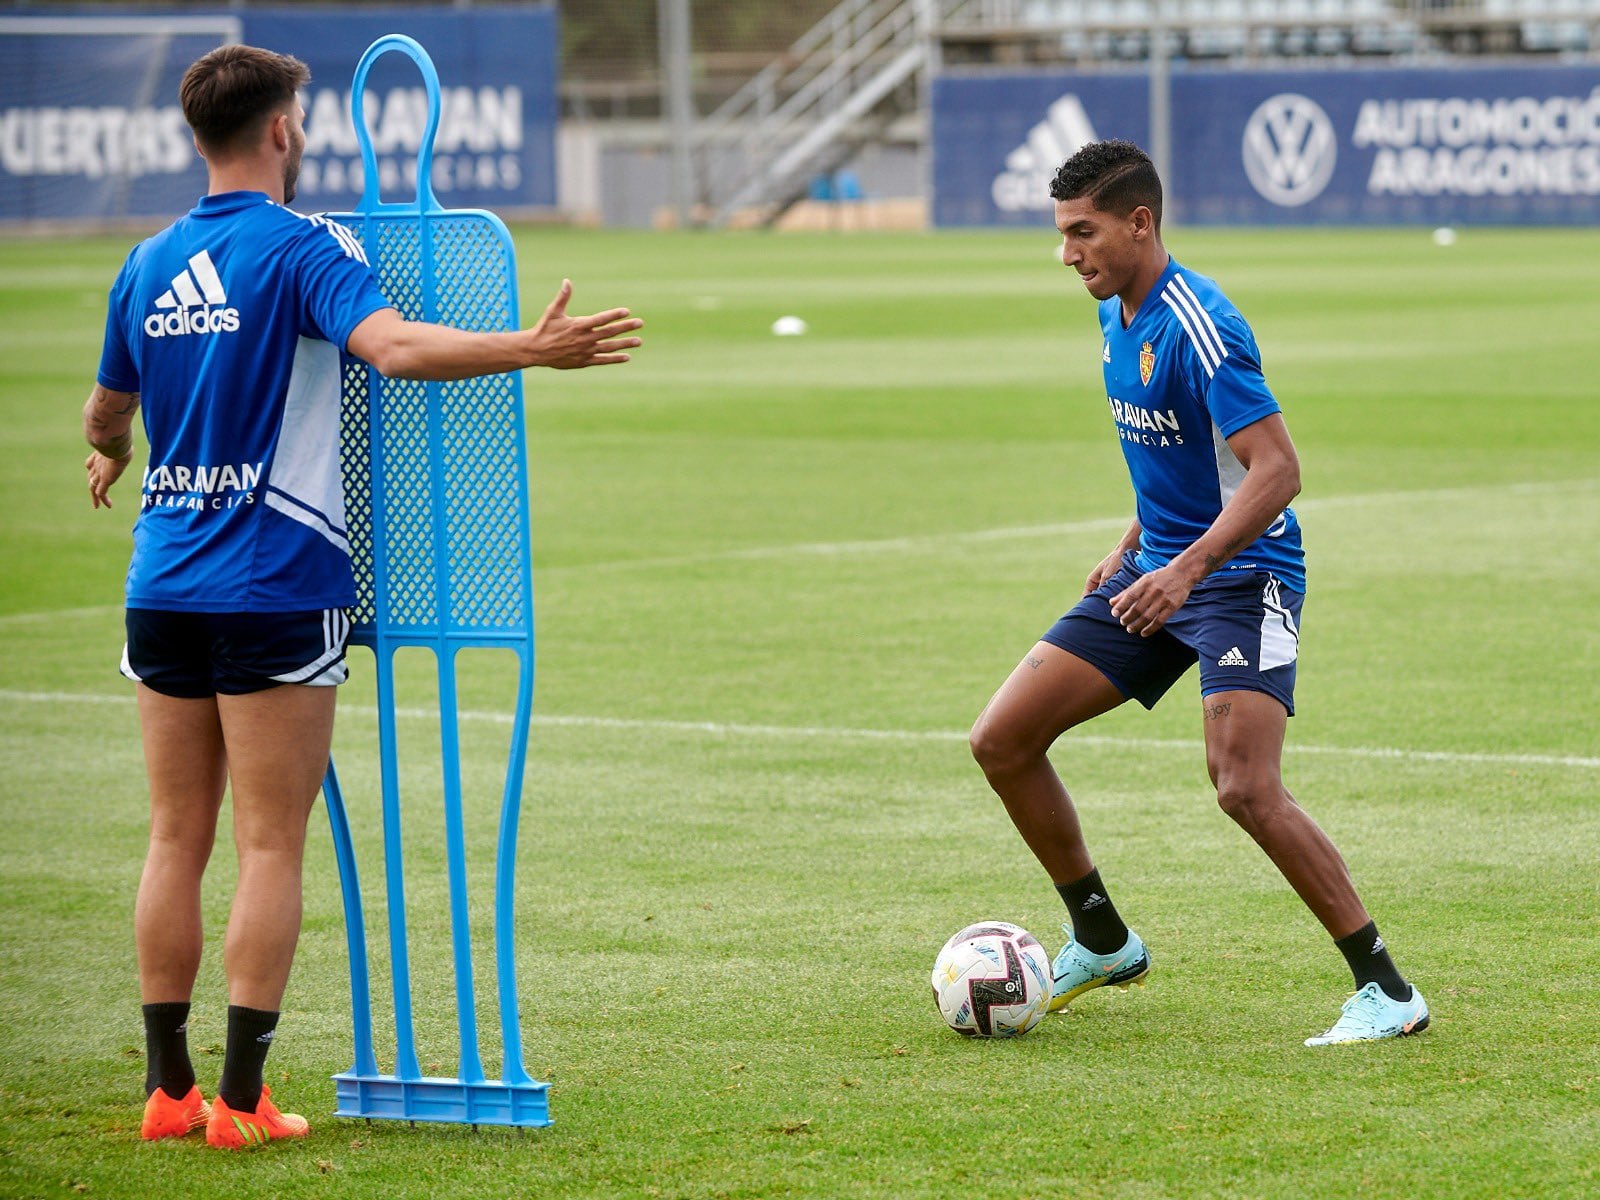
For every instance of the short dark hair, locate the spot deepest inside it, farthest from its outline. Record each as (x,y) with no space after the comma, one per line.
(227,94)
(1117,176)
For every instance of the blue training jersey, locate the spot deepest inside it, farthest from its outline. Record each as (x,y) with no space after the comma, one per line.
(230,324)
(1182,378)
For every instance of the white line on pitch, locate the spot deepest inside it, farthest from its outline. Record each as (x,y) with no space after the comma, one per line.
(721,729)
(931,541)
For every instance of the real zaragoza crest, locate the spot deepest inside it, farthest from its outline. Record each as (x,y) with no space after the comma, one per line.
(1147,363)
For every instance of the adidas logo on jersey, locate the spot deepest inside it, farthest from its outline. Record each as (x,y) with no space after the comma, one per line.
(193,304)
(1233,658)
(1025,183)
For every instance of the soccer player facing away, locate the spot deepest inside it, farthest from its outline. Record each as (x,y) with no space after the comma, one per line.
(227,328)
(1209,571)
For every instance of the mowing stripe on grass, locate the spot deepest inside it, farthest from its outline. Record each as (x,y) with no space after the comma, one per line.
(58,614)
(721,729)
(937,541)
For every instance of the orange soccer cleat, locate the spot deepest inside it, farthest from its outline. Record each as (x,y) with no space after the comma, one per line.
(165,1117)
(230,1129)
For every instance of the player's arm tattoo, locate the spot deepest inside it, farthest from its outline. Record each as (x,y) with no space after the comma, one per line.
(1033,662)
(1215,561)
(104,411)
(1215,712)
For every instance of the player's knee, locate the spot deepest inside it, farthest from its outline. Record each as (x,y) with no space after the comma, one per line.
(997,748)
(269,843)
(1236,799)
(1248,799)
(175,842)
(983,744)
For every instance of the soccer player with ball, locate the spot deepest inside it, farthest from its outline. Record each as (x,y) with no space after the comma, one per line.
(1209,571)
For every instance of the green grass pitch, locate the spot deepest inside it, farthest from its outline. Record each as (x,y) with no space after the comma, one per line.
(776,579)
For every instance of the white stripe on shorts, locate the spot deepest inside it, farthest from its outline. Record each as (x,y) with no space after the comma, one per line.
(329,669)
(1280,640)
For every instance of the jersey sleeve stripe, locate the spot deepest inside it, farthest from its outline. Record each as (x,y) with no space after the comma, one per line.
(1206,325)
(1207,358)
(1198,323)
(351,243)
(348,242)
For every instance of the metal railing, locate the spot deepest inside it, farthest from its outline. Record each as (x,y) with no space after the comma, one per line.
(806,109)
(831,92)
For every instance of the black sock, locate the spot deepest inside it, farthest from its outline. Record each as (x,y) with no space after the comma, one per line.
(1370,962)
(249,1038)
(166,1049)
(1095,923)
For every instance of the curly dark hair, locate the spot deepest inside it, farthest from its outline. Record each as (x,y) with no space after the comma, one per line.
(1117,176)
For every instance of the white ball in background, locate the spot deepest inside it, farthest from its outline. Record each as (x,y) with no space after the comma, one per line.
(1444,236)
(789,327)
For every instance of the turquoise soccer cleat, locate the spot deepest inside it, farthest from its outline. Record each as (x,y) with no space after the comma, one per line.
(1078,970)
(1370,1016)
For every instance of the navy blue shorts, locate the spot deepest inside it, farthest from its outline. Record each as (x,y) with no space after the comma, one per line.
(195,655)
(1242,627)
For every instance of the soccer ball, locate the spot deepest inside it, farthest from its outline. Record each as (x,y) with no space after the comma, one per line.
(992,980)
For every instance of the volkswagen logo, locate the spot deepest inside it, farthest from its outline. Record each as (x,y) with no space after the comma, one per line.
(1289,149)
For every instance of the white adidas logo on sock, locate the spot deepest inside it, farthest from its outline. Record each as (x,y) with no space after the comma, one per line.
(1095,900)
(1233,658)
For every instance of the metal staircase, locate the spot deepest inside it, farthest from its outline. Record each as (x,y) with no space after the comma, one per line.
(808,112)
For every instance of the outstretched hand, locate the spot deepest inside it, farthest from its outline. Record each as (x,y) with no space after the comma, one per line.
(567,342)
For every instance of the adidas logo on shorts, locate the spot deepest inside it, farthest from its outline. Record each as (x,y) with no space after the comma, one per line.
(1233,658)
